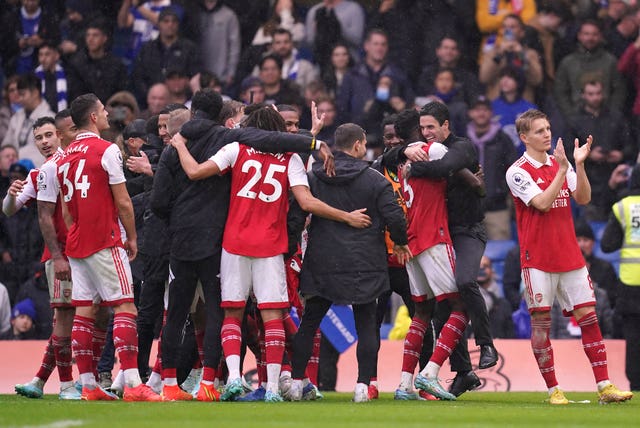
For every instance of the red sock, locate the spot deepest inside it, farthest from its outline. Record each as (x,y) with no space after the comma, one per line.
(82,343)
(231,336)
(125,339)
(594,346)
(542,350)
(274,341)
(208,374)
(314,360)
(261,364)
(62,351)
(97,343)
(48,362)
(169,373)
(200,342)
(413,345)
(449,337)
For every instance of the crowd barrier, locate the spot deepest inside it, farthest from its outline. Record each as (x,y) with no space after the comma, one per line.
(515,371)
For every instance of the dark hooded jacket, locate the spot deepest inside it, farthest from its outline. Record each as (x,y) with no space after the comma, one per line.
(343,264)
(197,210)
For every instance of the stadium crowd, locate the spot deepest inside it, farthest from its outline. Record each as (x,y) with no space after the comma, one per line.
(336,62)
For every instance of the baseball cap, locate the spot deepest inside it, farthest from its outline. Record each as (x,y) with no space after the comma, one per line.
(249,82)
(135,129)
(24,307)
(481,100)
(583,229)
(168,11)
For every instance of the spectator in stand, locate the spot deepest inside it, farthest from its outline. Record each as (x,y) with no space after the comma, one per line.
(629,66)
(123,109)
(5,310)
(8,156)
(601,271)
(491,13)
(448,56)
(252,90)
(447,89)
(498,307)
(22,31)
(94,69)
(496,153)
(294,68)
(157,99)
(10,103)
(142,18)
(360,84)
(73,26)
(331,21)
(511,52)
(215,29)
(335,70)
(385,101)
(622,34)
(21,242)
(168,52)
(283,16)
(23,315)
(177,83)
(612,13)
(52,77)
(611,145)
(621,233)
(36,288)
(402,20)
(19,133)
(510,104)
(546,25)
(277,90)
(590,57)
(251,15)
(327,107)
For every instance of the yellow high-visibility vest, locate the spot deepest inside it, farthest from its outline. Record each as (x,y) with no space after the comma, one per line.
(627,211)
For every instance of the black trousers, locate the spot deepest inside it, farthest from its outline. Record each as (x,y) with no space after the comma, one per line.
(181,293)
(631,331)
(151,305)
(367,347)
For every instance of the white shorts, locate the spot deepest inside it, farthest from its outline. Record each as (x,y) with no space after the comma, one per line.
(59,291)
(266,274)
(105,274)
(431,274)
(573,289)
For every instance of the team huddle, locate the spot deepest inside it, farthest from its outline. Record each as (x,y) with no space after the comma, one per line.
(255,192)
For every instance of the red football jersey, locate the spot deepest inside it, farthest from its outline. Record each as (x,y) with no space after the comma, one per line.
(547,240)
(47,191)
(89,167)
(257,221)
(426,207)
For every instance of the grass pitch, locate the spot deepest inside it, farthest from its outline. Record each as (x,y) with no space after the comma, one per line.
(479,409)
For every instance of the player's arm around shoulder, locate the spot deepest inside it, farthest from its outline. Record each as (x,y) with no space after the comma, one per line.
(191,167)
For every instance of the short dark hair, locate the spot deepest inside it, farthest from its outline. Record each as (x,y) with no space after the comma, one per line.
(207,78)
(49,44)
(266,118)
(438,110)
(273,57)
(281,30)
(229,109)
(378,31)
(346,135)
(389,120)
(82,107)
(63,114)
(407,121)
(41,121)
(30,82)
(208,101)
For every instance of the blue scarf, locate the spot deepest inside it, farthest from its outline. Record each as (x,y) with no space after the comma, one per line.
(61,85)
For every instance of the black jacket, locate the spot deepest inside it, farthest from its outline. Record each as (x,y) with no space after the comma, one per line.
(464,205)
(343,264)
(104,77)
(197,210)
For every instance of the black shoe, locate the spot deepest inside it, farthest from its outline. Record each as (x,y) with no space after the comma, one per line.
(488,357)
(463,382)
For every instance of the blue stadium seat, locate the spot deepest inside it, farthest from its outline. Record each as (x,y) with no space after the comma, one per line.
(497,250)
